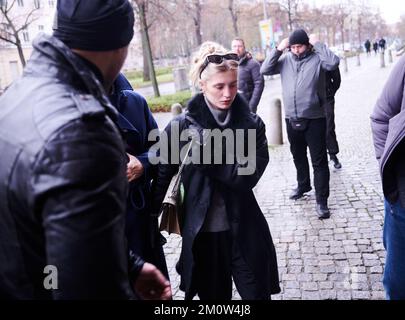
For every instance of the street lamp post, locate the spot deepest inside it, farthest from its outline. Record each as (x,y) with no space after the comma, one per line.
(264,10)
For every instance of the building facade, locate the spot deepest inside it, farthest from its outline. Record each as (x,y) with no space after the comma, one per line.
(42,13)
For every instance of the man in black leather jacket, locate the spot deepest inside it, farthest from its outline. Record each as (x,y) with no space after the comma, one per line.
(62,166)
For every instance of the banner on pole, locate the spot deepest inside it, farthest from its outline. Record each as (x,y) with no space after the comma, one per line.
(267,34)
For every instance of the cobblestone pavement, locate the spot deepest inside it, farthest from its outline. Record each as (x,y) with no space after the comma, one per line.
(342,257)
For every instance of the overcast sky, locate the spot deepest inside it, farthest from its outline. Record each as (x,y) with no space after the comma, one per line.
(391,10)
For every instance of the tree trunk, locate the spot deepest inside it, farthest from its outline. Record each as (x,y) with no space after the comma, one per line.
(342,31)
(197,22)
(234,17)
(146,43)
(20,50)
(146,72)
(290,22)
(359,32)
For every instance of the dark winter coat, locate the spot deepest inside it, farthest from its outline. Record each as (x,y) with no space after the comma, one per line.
(332,83)
(63,184)
(250,81)
(136,122)
(382,43)
(367,45)
(388,125)
(250,229)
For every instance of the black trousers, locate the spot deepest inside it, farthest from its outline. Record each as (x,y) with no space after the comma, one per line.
(217,259)
(314,137)
(331,142)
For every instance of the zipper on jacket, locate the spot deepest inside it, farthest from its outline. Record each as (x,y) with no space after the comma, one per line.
(295,92)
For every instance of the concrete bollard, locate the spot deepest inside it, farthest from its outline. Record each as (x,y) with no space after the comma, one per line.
(382,60)
(275,129)
(358,59)
(390,60)
(176,109)
(345,64)
(180,79)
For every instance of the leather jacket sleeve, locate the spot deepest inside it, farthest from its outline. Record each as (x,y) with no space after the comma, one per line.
(79,188)
(135,266)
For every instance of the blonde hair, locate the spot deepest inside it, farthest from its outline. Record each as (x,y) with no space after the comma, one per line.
(206,49)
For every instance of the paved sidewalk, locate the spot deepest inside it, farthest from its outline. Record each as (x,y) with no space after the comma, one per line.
(343,257)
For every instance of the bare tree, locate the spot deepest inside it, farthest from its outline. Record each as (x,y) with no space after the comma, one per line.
(234,12)
(145,9)
(195,20)
(141,9)
(401,27)
(12,25)
(341,12)
(194,9)
(291,7)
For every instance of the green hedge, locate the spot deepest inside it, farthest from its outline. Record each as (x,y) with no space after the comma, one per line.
(135,77)
(164,103)
(139,73)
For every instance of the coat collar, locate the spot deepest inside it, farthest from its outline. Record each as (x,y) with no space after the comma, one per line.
(51,57)
(241,116)
(305,55)
(245,58)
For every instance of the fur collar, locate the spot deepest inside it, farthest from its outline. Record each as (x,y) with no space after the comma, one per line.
(241,117)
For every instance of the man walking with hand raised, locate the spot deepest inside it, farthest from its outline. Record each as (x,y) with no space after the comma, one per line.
(302,71)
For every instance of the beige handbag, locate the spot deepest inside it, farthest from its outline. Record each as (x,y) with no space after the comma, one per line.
(170,209)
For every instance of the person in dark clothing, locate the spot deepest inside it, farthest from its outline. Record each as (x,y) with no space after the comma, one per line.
(367,45)
(375,47)
(381,44)
(388,128)
(136,122)
(250,81)
(63,190)
(332,80)
(302,71)
(224,231)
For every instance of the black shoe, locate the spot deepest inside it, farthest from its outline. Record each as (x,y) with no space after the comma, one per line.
(323,211)
(297,193)
(336,162)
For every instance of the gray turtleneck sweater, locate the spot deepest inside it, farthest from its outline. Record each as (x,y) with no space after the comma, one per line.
(216,219)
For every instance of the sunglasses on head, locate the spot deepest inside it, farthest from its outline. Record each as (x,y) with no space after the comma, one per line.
(218,59)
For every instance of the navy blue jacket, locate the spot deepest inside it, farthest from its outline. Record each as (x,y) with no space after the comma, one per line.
(136,121)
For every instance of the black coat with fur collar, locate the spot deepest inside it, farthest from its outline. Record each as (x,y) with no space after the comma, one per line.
(250,228)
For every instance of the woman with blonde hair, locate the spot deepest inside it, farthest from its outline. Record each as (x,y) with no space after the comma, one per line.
(225,234)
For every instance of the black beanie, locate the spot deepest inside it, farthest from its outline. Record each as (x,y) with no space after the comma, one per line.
(94,25)
(298,36)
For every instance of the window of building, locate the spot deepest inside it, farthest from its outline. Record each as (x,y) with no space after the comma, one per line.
(3,3)
(20,3)
(37,4)
(51,3)
(41,27)
(26,35)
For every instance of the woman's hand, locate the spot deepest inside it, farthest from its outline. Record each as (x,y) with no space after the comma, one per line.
(134,168)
